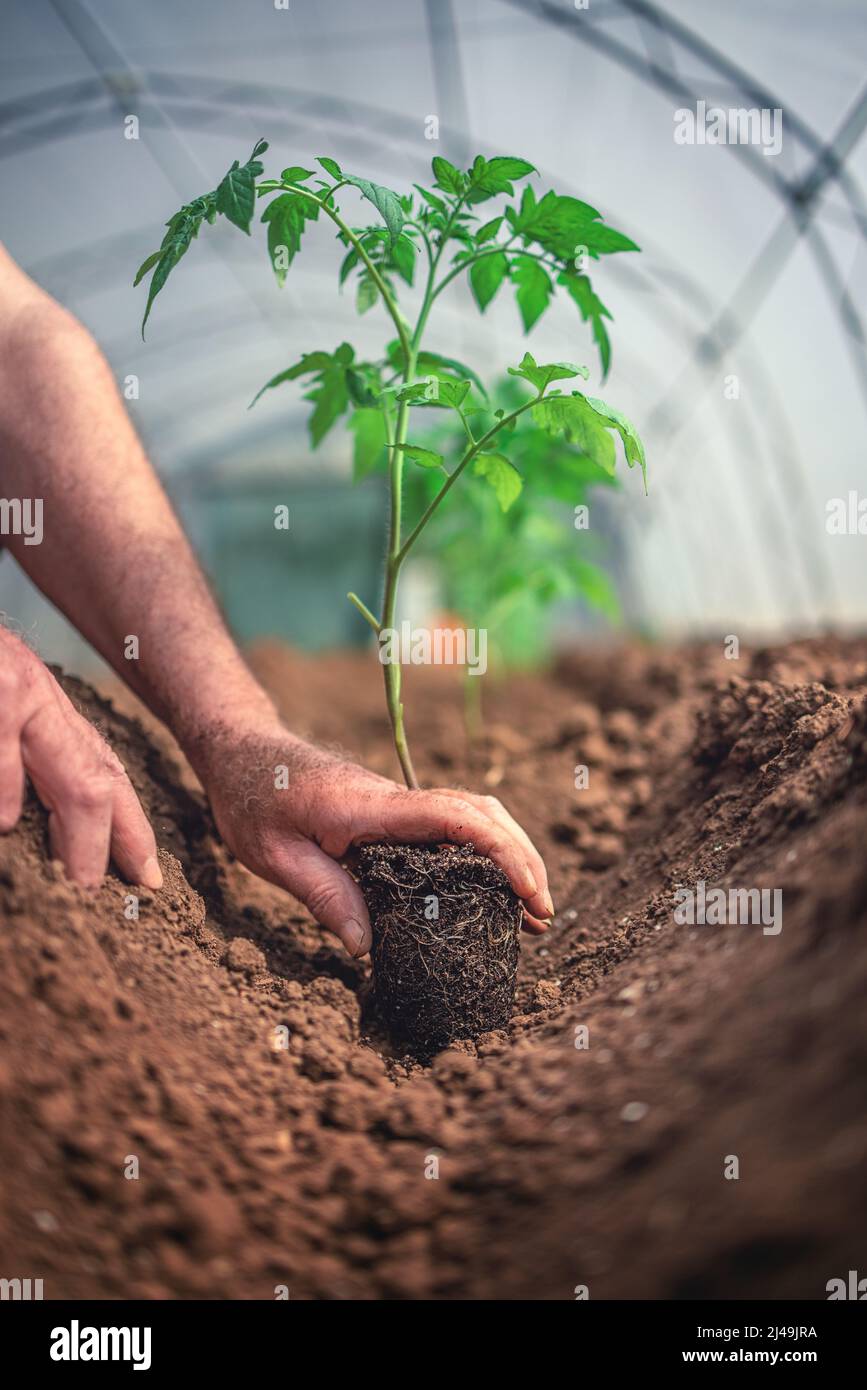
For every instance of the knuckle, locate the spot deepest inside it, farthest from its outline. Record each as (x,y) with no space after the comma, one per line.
(91,792)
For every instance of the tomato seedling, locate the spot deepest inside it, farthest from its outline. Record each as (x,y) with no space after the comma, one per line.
(538,245)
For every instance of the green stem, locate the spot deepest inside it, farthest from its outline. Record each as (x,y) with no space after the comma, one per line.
(355,242)
(453,477)
(490,251)
(393,563)
(364,611)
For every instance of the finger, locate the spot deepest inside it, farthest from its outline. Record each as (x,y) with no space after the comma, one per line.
(494,808)
(327,891)
(534,924)
(420,816)
(11,783)
(74,787)
(133,846)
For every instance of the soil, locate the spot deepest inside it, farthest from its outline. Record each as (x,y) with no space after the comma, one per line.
(199,1102)
(446,927)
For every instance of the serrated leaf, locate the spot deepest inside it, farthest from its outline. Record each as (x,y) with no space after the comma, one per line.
(534,289)
(592,308)
(236,196)
(565,225)
(367,294)
(384,200)
(432,201)
(572,417)
(330,399)
(296,174)
(310,362)
(489,230)
(503,477)
(425,458)
(488,177)
(403,256)
(632,445)
(448,178)
(145,266)
(542,375)
(436,391)
(486,277)
(285,218)
(182,227)
(351,260)
(330,166)
(369,451)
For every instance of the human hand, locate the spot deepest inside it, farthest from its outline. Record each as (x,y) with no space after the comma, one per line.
(93,811)
(291,826)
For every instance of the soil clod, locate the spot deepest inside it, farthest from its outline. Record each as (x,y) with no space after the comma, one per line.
(446,927)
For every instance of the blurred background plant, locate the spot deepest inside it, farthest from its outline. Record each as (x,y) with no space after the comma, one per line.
(506,571)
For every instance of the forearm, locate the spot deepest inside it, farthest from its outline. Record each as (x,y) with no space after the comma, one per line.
(113,556)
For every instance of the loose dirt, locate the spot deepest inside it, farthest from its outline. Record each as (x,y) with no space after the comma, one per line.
(202,1103)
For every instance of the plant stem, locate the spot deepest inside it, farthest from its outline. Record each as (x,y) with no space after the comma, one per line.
(393,563)
(453,476)
(355,242)
(364,611)
(490,251)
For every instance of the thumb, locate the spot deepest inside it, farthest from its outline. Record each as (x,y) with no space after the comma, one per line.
(327,891)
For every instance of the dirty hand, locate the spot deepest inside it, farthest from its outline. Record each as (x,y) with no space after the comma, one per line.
(93,811)
(288,811)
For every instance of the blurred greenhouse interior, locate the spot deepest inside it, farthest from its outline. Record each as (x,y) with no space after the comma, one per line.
(738,336)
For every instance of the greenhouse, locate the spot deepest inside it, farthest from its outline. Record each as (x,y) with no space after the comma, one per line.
(433,567)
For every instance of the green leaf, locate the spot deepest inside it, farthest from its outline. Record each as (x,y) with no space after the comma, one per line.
(592,308)
(330,398)
(632,445)
(369,451)
(426,458)
(448,178)
(403,256)
(145,266)
(285,217)
(367,294)
(436,203)
(386,203)
(486,277)
(330,166)
(534,289)
(182,228)
(502,475)
(541,376)
(296,174)
(572,417)
(489,230)
(563,225)
(437,391)
(310,362)
(236,195)
(434,363)
(488,177)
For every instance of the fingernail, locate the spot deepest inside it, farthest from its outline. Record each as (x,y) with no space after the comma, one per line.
(151,874)
(549,904)
(355,938)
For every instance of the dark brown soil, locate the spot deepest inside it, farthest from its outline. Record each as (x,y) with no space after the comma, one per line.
(446,926)
(194,1104)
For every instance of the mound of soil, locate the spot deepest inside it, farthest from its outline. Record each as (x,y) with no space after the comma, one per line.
(199,1101)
